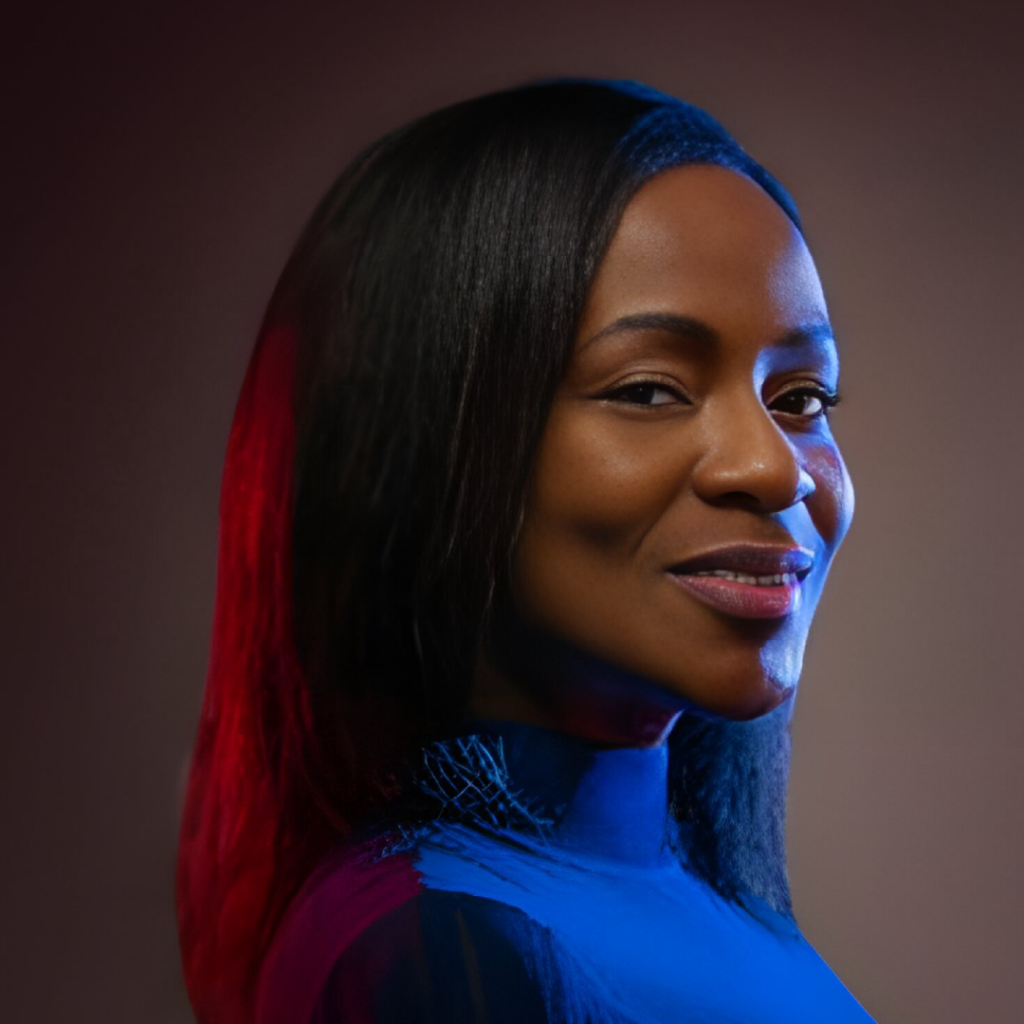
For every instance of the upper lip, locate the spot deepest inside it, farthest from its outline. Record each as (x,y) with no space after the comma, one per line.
(749,559)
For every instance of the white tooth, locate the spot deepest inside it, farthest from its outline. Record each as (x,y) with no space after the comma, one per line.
(787,578)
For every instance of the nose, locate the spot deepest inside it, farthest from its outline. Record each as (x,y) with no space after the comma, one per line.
(750,462)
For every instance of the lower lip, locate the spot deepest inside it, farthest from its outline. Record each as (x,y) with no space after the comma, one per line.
(742,600)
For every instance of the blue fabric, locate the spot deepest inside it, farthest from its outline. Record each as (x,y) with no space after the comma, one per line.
(551,893)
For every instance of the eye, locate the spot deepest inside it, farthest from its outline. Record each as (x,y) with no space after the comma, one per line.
(646,392)
(807,402)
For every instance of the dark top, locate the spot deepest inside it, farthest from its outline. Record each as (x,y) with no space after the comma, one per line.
(555,898)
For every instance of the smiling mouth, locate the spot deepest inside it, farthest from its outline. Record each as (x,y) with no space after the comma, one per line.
(775,580)
(746,581)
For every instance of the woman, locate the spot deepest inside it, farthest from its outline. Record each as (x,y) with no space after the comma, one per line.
(528,503)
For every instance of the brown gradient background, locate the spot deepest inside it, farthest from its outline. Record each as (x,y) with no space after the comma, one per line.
(159,167)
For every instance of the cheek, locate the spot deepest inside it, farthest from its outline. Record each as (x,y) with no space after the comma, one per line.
(831,505)
(600,485)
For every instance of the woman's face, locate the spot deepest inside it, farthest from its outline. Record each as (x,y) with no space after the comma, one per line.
(688,495)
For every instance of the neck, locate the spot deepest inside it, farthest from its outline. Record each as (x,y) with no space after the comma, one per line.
(605,802)
(528,676)
(591,710)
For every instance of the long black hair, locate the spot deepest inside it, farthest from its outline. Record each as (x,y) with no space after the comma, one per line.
(426,319)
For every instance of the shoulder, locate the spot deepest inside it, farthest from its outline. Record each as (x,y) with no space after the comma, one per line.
(364,941)
(345,895)
(443,956)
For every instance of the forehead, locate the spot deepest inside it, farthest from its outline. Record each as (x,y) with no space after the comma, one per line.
(708,243)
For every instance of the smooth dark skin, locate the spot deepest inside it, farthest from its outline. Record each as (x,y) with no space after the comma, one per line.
(662,443)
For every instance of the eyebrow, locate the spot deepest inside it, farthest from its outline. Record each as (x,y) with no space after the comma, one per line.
(692,329)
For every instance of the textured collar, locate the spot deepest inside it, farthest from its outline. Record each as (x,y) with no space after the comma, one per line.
(609,804)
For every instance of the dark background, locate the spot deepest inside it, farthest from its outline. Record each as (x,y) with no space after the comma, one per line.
(158,163)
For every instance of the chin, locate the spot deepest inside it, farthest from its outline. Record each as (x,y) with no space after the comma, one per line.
(772,698)
(737,692)
(745,709)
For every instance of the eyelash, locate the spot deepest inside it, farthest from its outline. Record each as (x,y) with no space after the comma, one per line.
(618,393)
(829,399)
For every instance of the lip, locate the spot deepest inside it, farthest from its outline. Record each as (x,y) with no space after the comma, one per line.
(746,600)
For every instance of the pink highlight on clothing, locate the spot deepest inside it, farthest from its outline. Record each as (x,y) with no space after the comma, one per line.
(343,897)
